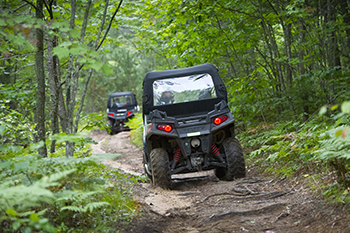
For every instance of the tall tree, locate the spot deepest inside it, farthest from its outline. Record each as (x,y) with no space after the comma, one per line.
(295,49)
(58,110)
(72,58)
(40,77)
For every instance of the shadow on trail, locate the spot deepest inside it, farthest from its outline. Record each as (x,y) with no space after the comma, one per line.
(180,183)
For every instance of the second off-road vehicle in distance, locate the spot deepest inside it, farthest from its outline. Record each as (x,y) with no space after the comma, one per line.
(121,107)
(188,126)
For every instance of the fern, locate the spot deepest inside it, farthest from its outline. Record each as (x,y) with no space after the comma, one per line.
(71,196)
(89,207)
(21,197)
(44,193)
(319,145)
(336,144)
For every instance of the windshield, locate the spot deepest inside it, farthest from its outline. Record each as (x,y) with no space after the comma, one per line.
(183,89)
(121,101)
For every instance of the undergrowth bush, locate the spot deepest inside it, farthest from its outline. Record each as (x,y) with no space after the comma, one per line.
(60,194)
(92,121)
(14,127)
(318,148)
(136,126)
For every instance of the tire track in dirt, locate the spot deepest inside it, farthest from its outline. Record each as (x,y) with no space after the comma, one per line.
(199,202)
(130,161)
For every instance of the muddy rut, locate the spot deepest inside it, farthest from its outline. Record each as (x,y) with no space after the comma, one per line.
(199,202)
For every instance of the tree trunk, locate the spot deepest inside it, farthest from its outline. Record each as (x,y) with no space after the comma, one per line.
(301,53)
(77,117)
(90,71)
(333,57)
(86,17)
(102,25)
(287,34)
(73,76)
(54,85)
(40,78)
(288,41)
(301,47)
(285,85)
(344,7)
(70,93)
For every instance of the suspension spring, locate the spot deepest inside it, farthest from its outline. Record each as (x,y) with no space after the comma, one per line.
(177,154)
(214,149)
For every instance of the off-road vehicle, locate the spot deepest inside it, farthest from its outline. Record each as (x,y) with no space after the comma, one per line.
(188,126)
(120,108)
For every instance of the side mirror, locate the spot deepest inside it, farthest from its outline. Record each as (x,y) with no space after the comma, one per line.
(137,108)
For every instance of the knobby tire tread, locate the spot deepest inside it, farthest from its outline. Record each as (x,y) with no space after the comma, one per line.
(235,161)
(160,168)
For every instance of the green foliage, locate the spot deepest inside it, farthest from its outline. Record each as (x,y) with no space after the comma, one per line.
(55,193)
(129,67)
(16,124)
(15,33)
(270,54)
(136,126)
(92,121)
(12,131)
(280,60)
(282,152)
(70,194)
(87,208)
(334,193)
(336,144)
(318,146)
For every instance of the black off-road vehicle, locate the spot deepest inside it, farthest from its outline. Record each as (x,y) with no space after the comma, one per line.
(188,126)
(121,107)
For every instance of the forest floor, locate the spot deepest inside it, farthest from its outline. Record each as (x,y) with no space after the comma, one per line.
(199,202)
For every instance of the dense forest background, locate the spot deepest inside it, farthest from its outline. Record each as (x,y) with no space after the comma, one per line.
(285,65)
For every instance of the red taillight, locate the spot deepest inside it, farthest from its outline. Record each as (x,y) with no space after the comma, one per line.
(128,113)
(166,128)
(111,114)
(220,119)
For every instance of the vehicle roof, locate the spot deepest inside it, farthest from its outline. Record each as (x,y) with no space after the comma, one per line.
(204,68)
(182,108)
(121,93)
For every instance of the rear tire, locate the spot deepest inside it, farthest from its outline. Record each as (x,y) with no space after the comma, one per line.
(160,168)
(234,159)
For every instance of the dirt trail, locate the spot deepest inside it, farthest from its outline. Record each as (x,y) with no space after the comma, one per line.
(199,202)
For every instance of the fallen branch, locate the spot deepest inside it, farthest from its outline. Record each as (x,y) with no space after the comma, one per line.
(263,196)
(267,209)
(187,193)
(221,194)
(249,190)
(243,192)
(250,180)
(282,215)
(335,221)
(157,213)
